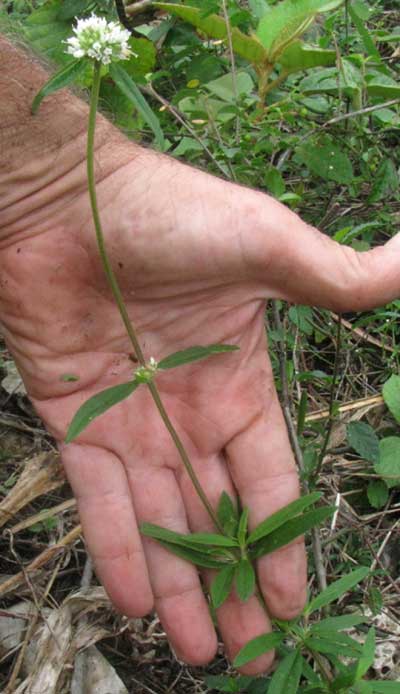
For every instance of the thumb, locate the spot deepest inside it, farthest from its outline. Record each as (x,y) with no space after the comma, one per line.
(302,265)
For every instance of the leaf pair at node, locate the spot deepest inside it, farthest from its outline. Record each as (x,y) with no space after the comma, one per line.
(103,401)
(233,554)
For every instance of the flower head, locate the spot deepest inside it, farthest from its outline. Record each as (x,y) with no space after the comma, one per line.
(145,374)
(99,40)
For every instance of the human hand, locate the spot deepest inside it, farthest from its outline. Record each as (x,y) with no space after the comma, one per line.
(196,259)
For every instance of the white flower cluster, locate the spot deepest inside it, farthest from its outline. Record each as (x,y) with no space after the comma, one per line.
(99,40)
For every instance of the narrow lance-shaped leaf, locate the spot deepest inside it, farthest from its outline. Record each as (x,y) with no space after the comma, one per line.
(245,580)
(336,589)
(97,405)
(128,87)
(256,647)
(287,675)
(345,621)
(282,516)
(242,528)
(186,356)
(367,655)
(227,514)
(205,541)
(202,559)
(63,78)
(221,585)
(288,532)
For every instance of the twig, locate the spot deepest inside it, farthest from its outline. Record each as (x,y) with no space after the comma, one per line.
(233,66)
(298,454)
(80,669)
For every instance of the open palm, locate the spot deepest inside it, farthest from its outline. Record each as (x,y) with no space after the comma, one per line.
(195,258)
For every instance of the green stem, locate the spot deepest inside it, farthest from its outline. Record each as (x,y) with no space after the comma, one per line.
(120,301)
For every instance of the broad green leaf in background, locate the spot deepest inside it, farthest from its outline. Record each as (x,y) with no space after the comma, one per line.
(46,31)
(274,181)
(287,675)
(287,20)
(127,86)
(366,37)
(186,356)
(223,86)
(388,466)
(385,180)
(222,585)
(279,518)
(245,580)
(324,158)
(68,9)
(259,7)
(302,316)
(144,59)
(336,589)
(299,56)
(247,47)
(385,687)
(63,78)
(363,439)
(97,405)
(391,396)
(290,531)
(256,647)
(378,493)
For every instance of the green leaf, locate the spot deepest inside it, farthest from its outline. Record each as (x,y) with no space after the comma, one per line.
(223,86)
(337,589)
(287,675)
(144,59)
(292,529)
(378,493)
(256,647)
(334,643)
(202,559)
(70,9)
(281,517)
(242,528)
(385,687)
(245,580)
(391,395)
(346,621)
(97,405)
(365,35)
(367,657)
(63,78)
(46,32)
(274,181)
(227,514)
(191,354)
(287,21)
(302,316)
(363,439)
(325,159)
(128,87)
(213,25)
(221,585)
(206,541)
(388,466)
(385,181)
(298,56)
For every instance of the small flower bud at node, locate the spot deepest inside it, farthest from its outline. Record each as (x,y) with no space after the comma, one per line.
(145,374)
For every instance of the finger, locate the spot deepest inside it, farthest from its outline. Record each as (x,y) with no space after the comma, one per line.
(298,263)
(99,483)
(264,472)
(238,622)
(179,598)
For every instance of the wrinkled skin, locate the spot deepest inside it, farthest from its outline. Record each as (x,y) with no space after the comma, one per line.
(196,259)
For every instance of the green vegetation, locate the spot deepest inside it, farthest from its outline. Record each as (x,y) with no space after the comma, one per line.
(299,98)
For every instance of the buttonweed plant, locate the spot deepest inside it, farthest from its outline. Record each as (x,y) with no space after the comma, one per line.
(311,650)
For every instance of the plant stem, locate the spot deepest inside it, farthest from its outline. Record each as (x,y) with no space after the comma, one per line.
(120,301)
